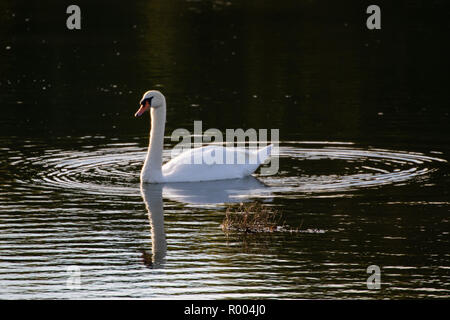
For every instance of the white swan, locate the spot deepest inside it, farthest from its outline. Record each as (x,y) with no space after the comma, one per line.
(185,167)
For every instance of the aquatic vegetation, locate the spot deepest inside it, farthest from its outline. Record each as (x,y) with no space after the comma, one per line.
(254,218)
(250,218)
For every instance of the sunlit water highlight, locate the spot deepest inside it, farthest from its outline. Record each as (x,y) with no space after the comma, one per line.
(85,207)
(115,168)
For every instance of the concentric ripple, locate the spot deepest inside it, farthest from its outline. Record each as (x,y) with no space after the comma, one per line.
(111,170)
(56,211)
(114,169)
(347,168)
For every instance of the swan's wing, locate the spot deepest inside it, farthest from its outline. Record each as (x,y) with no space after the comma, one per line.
(212,163)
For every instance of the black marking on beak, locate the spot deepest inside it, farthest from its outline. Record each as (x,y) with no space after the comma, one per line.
(145,100)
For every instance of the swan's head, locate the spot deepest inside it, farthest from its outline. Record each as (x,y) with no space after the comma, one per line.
(150,99)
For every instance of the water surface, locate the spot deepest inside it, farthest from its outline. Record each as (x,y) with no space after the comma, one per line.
(364,150)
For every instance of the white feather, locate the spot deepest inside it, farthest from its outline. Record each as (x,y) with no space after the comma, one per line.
(200,164)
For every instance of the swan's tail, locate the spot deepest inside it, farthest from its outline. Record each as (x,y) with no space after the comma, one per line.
(264,153)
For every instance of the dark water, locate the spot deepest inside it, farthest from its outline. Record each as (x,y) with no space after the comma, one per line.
(363,118)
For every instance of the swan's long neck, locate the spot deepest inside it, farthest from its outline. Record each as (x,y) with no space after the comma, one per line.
(151,171)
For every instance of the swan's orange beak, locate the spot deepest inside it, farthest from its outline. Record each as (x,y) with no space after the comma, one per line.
(142,109)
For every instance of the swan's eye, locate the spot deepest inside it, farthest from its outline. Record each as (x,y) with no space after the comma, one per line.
(145,100)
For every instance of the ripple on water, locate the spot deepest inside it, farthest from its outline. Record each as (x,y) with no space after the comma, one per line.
(325,169)
(109,239)
(346,169)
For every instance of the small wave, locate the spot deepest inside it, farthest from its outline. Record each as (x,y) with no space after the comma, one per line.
(328,168)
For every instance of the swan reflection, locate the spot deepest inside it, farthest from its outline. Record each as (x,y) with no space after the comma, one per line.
(209,192)
(152,195)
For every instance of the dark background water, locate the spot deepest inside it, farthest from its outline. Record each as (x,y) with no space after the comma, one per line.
(309,68)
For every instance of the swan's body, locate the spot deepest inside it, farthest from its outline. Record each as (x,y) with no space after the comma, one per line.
(199,164)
